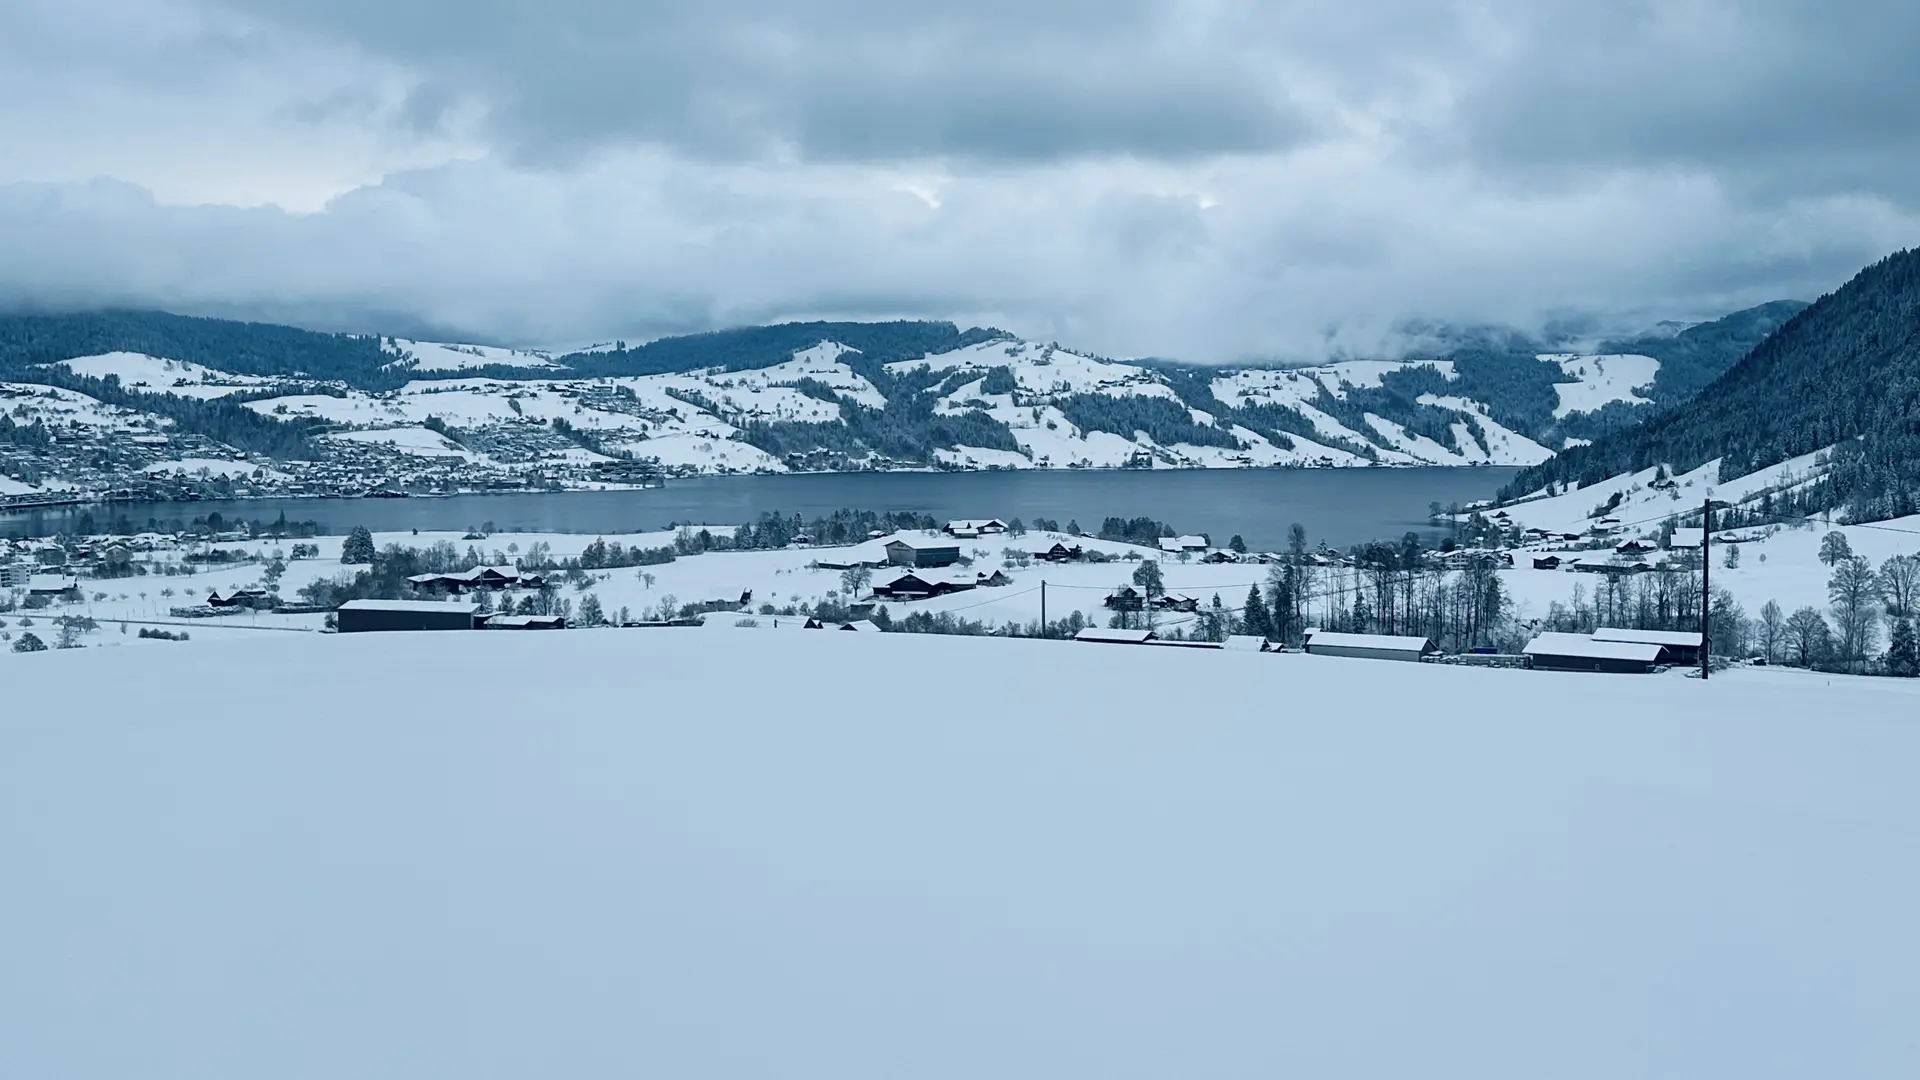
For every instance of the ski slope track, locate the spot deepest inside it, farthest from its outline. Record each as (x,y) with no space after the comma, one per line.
(677,853)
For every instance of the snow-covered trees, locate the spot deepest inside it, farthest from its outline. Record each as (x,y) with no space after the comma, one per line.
(358,547)
(1903,653)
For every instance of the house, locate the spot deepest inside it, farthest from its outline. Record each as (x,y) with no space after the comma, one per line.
(1126,598)
(1683,646)
(53,585)
(1060,552)
(971,527)
(726,598)
(917,586)
(525,622)
(1221,556)
(1176,602)
(864,626)
(1246,643)
(360,616)
(922,552)
(1546,562)
(15,575)
(1102,635)
(993,580)
(1580,652)
(1370,646)
(240,598)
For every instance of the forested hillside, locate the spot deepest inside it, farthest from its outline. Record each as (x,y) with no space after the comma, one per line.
(1844,372)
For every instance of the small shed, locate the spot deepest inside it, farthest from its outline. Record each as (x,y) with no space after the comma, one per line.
(1683,646)
(1546,562)
(1371,646)
(360,616)
(922,552)
(1579,652)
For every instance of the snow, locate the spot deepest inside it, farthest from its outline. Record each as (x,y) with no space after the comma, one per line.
(439,356)
(1602,380)
(429,606)
(157,375)
(213,466)
(1594,647)
(409,440)
(655,852)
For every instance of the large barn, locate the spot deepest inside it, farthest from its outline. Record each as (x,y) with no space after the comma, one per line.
(1582,652)
(361,616)
(1370,646)
(923,552)
(1683,646)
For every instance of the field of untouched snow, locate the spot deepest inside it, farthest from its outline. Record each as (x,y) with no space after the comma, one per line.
(680,853)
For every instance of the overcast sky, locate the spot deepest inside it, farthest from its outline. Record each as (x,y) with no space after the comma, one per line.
(1208,179)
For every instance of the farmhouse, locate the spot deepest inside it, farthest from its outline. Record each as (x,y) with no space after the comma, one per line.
(1174,601)
(239,598)
(1579,652)
(918,586)
(360,616)
(1370,646)
(971,527)
(922,551)
(1683,646)
(1125,598)
(1173,545)
(1546,562)
(1060,552)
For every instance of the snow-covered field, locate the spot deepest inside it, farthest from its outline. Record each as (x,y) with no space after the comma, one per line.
(676,853)
(156,375)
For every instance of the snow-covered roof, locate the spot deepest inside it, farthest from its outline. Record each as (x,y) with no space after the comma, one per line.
(1556,644)
(923,543)
(1246,643)
(1680,638)
(1114,637)
(423,606)
(976,524)
(1388,642)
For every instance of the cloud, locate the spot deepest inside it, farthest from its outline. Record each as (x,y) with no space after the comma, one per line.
(1211,179)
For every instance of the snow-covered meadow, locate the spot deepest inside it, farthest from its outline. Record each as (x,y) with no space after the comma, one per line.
(677,853)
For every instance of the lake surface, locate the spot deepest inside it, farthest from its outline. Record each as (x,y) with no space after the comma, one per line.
(1338,506)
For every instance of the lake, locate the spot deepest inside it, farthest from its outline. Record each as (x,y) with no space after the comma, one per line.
(1338,506)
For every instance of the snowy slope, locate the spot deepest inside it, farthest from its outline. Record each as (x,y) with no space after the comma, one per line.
(1602,381)
(662,853)
(156,375)
(441,356)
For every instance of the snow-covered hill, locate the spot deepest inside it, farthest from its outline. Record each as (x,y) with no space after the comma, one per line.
(999,403)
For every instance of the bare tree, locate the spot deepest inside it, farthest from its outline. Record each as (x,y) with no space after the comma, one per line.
(1852,591)
(1773,632)
(1807,635)
(1900,584)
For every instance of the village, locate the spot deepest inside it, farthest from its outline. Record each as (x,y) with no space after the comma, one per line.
(965,576)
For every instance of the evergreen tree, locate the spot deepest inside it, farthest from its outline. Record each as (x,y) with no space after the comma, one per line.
(1254,619)
(29,643)
(1237,545)
(1903,653)
(358,547)
(590,611)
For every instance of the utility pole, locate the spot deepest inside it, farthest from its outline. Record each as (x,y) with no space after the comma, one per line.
(1043,607)
(1706,589)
